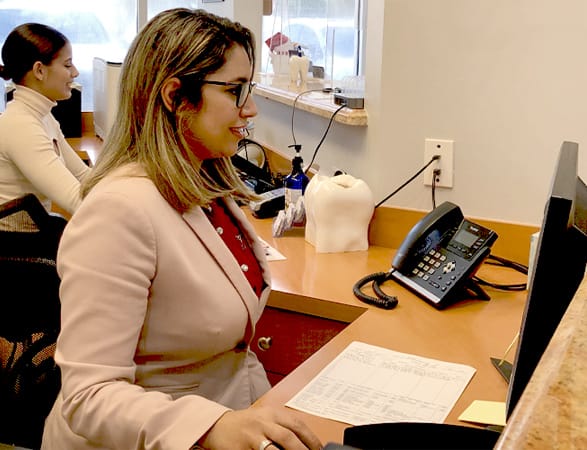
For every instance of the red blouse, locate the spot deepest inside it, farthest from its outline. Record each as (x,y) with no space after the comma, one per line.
(236,241)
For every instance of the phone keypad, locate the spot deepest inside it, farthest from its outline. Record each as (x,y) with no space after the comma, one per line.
(434,269)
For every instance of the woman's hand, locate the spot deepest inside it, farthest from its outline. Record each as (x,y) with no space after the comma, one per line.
(256,428)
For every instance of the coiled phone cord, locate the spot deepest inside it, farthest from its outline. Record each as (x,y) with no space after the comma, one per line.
(382,300)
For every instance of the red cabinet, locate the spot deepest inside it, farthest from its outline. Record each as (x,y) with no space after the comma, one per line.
(285,339)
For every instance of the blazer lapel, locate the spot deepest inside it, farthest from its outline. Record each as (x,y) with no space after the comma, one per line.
(196,219)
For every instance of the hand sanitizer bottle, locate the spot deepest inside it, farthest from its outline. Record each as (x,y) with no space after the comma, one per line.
(295,183)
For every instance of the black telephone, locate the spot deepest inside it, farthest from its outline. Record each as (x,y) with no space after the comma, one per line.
(440,254)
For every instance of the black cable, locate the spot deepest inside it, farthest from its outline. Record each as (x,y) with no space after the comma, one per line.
(498,260)
(382,300)
(434,158)
(508,263)
(501,287)
(435,173)
(323,137)
(391,301)
(293,111)
(243,145)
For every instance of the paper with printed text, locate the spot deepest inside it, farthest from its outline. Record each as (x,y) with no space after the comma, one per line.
(369,384)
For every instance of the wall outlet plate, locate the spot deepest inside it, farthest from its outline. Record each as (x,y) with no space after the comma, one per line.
(444,148)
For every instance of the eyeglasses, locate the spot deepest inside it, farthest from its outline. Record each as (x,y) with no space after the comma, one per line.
(241,90)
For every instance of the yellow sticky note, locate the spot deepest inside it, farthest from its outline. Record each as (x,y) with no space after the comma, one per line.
(481,411)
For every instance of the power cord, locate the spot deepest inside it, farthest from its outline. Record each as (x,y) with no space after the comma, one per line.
(293,111)
(435,175)
(434,158)
(244,145)
(497,260)
(323,137)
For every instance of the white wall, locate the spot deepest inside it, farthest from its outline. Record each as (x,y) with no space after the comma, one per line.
(505,79)
(224,8)
(248,12)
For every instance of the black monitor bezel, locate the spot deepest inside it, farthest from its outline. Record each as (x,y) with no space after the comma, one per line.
(559,267)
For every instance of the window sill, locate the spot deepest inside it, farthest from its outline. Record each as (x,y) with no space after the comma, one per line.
(275,87)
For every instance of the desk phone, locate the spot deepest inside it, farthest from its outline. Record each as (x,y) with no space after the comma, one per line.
(440,254)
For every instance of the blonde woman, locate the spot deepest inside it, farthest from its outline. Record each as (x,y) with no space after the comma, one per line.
(34,155)
(163,278)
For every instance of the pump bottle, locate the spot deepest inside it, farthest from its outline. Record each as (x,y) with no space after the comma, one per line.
(295,183)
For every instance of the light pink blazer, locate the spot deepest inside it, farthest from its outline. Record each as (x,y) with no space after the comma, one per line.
(157,318)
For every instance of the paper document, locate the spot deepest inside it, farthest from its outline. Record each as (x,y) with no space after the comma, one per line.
(271,253)
(369,384)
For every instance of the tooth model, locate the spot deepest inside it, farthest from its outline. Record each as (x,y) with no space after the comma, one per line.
(338,212)
(298,69)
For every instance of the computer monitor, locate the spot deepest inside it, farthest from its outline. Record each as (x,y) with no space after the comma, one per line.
(559,267)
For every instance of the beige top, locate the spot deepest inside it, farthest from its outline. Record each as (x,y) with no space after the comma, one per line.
(34,155)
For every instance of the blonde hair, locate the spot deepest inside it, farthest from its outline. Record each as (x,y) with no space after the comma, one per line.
(174,43)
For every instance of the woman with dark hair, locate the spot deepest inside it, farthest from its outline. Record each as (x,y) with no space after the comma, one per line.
(163,278)
(34,155)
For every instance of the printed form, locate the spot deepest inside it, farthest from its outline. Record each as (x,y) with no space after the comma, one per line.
(369,384)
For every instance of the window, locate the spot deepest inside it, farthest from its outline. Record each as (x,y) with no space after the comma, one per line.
(328,31)
(103,29)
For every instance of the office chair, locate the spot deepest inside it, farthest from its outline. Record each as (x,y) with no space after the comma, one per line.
(29,319)
(415,435)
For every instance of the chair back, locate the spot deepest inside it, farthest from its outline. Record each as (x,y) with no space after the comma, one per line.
(29,318)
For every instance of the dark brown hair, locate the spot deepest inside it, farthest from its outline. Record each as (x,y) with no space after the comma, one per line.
(27,44)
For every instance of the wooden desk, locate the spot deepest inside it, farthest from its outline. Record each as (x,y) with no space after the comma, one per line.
(321,284)
(88,147)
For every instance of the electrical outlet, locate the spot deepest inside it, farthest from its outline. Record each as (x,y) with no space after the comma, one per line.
(444,148)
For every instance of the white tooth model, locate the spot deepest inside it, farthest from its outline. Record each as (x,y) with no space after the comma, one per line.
(298,71)
(338,212)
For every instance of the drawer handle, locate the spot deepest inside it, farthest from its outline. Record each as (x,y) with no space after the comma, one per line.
(264,343)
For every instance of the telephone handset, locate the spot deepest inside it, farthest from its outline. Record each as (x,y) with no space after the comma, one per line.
(440,254)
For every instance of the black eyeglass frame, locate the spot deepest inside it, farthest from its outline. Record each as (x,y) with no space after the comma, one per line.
(242,94)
